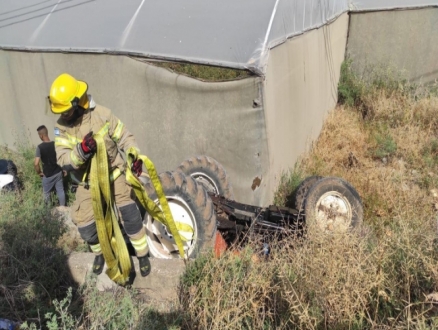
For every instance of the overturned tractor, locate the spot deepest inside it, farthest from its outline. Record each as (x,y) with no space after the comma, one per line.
(201,197)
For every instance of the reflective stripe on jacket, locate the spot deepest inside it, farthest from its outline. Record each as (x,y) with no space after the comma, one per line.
(98,120)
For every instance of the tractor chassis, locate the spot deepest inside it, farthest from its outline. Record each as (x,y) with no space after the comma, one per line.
(236,222)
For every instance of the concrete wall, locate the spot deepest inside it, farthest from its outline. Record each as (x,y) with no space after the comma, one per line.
(402,39)
(172,116)
(300,88)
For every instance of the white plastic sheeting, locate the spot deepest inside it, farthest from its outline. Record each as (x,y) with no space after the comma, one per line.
(229,33)
(292,17)
(226,33)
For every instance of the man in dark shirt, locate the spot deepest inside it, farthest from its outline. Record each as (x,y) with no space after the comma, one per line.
(52,173)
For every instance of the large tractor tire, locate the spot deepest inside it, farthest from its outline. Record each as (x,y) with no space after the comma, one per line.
(302,190)
(190,205)
(333,205)
(210,173)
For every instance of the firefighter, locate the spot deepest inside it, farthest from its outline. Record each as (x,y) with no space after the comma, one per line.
(80,118)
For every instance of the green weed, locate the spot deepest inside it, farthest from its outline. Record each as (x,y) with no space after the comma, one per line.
(61,318)
(350,88)
(289,181)
(385,145)
(430,153)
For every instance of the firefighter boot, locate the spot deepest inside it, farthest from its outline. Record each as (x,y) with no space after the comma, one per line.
(145,265)
(98,264)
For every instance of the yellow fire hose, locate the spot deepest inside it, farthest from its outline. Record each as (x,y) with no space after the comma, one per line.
(111,239)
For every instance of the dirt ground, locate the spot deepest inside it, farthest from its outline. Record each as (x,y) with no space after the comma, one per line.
(159,288)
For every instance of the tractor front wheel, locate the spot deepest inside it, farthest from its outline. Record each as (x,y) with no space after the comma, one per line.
(333,205)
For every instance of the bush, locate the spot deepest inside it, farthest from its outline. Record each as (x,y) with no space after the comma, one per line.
(33,269)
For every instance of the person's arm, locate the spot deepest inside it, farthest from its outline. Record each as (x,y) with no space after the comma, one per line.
(36,162)
(69,153)
(36,165)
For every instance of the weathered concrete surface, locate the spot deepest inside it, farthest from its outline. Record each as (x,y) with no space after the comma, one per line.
(300,89)
(173,117)
(159,287)
(404,40)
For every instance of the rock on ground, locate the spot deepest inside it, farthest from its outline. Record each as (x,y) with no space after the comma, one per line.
(159,287)
(71,239)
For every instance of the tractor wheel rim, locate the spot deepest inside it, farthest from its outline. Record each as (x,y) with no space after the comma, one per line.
(333,212)
(206,181)
(160,240)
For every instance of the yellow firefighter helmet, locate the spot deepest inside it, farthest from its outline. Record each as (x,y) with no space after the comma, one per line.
(65,93)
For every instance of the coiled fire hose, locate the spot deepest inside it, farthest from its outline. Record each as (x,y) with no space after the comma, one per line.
(111,239)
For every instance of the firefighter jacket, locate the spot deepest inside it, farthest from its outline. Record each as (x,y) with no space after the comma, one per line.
(98,120)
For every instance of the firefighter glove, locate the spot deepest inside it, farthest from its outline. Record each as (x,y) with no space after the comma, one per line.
(88,144)
(137,167)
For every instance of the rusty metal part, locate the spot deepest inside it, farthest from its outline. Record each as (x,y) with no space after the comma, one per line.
(235,219)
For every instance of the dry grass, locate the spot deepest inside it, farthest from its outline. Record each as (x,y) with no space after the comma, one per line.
(298,286)
(378,277)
